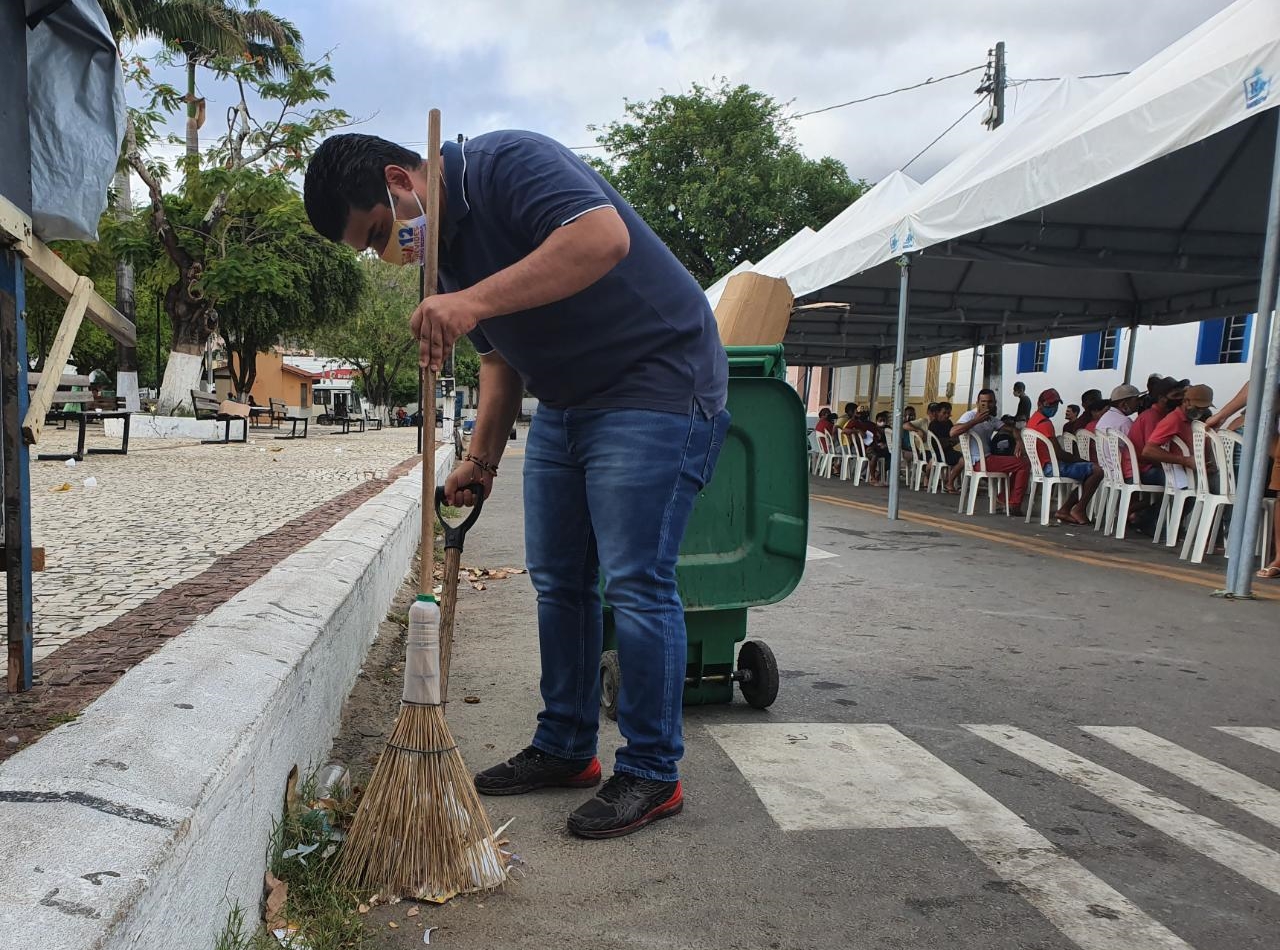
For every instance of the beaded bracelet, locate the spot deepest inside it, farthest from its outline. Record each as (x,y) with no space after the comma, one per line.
(482,465)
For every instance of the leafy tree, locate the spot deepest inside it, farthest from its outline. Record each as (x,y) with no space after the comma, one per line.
(186,229)
(717,174)
(211,26)
(274,276)
(375,337)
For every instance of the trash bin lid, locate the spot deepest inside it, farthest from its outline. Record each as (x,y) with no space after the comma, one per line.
(747,537)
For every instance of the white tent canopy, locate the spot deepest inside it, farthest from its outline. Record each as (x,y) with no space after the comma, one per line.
(1142,203)
(805,243)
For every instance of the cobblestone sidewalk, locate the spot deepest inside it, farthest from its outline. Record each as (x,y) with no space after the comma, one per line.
(169,510)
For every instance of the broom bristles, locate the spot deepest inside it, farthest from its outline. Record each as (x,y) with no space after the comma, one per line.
(421,830)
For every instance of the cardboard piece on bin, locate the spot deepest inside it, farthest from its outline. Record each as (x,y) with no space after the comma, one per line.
(230,407)
(754,310)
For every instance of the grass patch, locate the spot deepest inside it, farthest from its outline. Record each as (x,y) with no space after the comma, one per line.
(303,854)
(61,719)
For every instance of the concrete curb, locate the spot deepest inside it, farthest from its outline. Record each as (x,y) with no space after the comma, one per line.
(141,823)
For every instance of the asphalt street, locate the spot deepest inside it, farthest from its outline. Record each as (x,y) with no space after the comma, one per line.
(988,736)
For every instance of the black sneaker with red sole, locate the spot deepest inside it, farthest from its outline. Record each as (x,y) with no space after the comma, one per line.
(624,804)
(532,769)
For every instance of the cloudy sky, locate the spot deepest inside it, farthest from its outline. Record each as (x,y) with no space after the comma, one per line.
(559,66)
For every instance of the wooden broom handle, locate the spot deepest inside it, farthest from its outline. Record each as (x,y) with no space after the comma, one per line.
(431,273)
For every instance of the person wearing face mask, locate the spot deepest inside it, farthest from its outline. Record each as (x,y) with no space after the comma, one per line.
(1196,406)
(1163,393)
(1060,463)
(566,293)
(1124,402)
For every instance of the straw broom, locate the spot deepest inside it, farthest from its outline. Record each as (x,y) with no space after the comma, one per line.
(420,830)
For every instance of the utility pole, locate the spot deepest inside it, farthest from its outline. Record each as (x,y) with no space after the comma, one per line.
(993,83)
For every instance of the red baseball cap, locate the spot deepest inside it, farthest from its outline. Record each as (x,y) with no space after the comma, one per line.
(1049,396)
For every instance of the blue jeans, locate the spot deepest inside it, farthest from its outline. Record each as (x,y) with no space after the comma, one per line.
(611,490)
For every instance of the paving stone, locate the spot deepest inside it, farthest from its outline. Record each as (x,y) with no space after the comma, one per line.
(172,531)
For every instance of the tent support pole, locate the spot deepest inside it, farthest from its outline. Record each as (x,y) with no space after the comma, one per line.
(1133,349)
(1260,411)
(874,392)
(973,372)
(894,436)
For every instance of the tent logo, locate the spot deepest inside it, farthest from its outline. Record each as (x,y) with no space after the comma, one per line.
(908,243)
(1257,88)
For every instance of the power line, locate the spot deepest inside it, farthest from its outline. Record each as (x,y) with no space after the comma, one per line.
(892,92)
(1019,82)
(944,132)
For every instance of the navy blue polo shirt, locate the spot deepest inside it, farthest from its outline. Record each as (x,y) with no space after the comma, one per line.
(641,337)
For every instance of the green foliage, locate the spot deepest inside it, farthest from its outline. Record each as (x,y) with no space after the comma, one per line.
(375,337)
(93,349)
(716,173)
(466,363)
(275,277)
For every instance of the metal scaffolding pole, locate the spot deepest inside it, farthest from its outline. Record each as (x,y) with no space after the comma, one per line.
(899,376)
(1260,411)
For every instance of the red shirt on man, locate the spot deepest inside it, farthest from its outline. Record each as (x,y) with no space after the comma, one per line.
(1143,426)
(1174,423)
(1044,425)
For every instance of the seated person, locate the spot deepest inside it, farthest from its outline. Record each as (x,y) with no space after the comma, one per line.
(1197,404)
(979,424)
(1058,462)
(939,415)
(824,421)
(850,410)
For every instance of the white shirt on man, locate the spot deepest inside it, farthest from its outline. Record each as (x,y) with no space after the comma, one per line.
(983,431)
(1113,418)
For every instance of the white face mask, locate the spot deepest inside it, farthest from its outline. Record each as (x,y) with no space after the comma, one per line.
(408,241)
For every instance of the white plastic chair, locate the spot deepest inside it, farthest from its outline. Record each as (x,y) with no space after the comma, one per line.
(815,451)
(1232,445)
(974,479)
(1113,447)
(1067,441)
(915,471)
(1049,484)
(1174,500)
(1085,444)
(1209,507)
(938,467)
(826,455)
(853,464)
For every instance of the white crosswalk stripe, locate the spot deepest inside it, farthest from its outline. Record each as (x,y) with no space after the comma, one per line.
(827,775)
(1245,793)
(1232,850)
(1258,735)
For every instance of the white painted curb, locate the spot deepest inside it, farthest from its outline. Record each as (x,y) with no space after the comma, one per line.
(141,823)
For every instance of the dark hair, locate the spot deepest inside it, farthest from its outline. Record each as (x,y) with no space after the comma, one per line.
(348,171)
(850,408)
(934,407)
(946,405)
(986,392)
(1073,406)
(824,412)
(1018,385)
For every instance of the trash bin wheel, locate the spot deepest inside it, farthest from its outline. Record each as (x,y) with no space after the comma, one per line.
(759,684)
(611,683)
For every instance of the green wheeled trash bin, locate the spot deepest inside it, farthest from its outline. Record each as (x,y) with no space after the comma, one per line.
(746,541)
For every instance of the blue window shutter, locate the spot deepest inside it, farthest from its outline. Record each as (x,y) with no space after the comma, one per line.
(1090,348)
(1248,336)
(1026,357)
(1045,367)
(1210,345)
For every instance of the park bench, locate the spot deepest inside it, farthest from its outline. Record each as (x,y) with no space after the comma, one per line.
(72,402)
(208,406)
(346,420)
(280,414)
(373,422)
